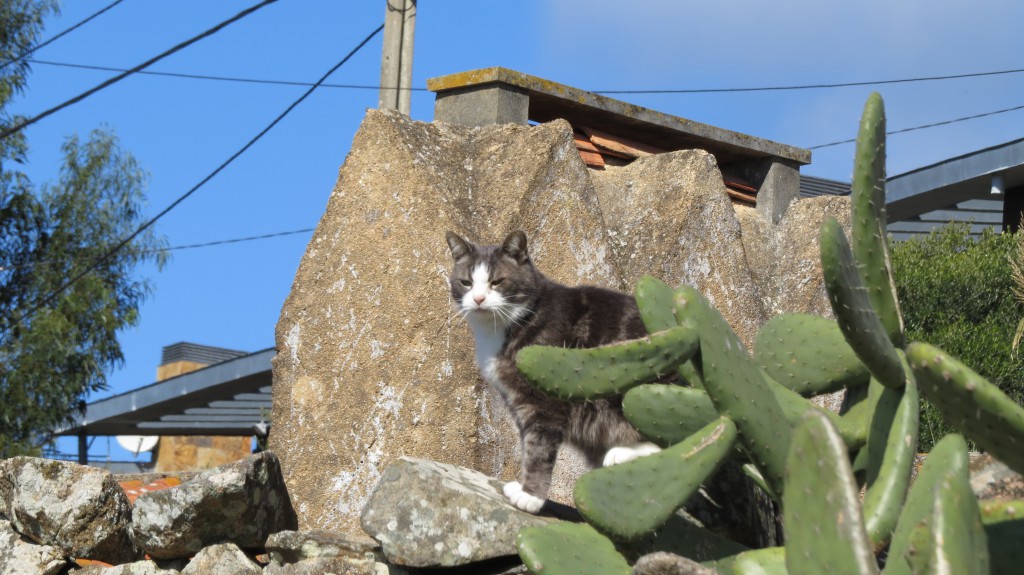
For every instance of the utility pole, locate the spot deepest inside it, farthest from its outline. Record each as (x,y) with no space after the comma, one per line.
(396,60)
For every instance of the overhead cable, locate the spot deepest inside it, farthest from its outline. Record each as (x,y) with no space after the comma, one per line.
(219,78)
(33,49)
(922,127)
(627,91)
(811,86)
(29,121)
(178,248)
(110,253)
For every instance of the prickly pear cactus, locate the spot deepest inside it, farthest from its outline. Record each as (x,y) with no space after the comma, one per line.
(692,388)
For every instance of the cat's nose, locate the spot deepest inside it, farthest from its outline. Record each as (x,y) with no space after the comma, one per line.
(479,299)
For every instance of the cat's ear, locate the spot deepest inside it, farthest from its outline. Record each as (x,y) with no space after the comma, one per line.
(515,246)
(460,247)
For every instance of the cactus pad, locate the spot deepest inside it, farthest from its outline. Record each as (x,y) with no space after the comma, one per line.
(808,354)
(821,509)
(1004,529)
(636,497)
(795,405)
(607,370)
(667,414)
(569,549)
(970,403)
(857,319)
(955,541)
(867,206)
(768,561)
(737,388)
(655,300)
(888,472)
(949,456)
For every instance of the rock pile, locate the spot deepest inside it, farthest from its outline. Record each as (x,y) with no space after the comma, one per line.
(59,518)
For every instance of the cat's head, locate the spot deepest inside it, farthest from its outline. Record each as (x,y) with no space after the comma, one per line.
(492,283)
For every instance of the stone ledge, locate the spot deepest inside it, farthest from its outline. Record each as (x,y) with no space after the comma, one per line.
(549,100)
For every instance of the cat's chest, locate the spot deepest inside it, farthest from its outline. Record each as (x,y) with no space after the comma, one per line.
(490,342)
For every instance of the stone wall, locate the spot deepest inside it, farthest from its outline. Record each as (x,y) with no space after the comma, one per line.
(424,517)
(372,364)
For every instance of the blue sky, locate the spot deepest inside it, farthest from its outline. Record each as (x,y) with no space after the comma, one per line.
(181,129)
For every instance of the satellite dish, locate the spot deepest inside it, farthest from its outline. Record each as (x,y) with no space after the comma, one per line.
(137,443)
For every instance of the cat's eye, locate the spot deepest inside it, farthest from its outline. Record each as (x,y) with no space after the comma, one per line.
(466,283)
(497,282)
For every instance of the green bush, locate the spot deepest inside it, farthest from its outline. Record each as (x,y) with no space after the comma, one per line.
(956,293)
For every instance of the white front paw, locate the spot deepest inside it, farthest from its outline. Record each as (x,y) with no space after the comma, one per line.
(618,455)
(521,499)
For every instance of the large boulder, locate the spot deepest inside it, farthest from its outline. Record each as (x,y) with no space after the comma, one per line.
(80,510)
(668,216)
(372,363)
(785,259)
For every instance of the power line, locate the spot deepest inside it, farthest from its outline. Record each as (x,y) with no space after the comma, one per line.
(59,35)
(23,124)
(628,91)
(922,127)
(202,182)
(236,240)
(812,86)
(218,78)
(178,248)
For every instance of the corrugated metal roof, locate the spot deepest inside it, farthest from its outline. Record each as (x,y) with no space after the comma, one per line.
(811,186)
(205,354)
(228,398)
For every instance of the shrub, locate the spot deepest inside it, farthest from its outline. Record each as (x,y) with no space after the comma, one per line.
(956,293)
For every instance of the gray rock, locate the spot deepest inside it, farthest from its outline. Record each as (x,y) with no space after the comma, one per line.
(428,514)
(20,557)
(320,552)
(663,563)
(136,568)
(294,546)
(221,559)
(80,510)
(242,503)
(331,566)
(992,479)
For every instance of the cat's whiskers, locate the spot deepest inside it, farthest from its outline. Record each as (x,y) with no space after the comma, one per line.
(508,313)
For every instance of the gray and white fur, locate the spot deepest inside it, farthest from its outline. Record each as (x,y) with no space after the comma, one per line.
(509,304)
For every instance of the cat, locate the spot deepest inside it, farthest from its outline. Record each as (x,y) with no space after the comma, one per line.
(508,305)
